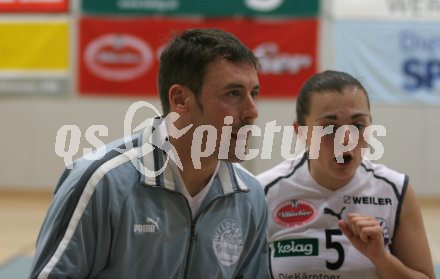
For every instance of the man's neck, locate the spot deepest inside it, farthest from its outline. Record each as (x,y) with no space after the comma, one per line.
(195,178)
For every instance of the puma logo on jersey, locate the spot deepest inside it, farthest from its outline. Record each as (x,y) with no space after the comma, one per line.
(328,211)
(150,226)
(155,223)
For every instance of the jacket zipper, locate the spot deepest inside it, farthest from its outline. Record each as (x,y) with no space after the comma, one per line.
(193,235)
(192,238)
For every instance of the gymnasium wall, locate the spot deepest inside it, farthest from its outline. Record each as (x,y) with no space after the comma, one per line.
(38,98)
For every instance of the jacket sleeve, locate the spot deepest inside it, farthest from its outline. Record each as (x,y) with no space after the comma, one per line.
(73,229)
(256,264)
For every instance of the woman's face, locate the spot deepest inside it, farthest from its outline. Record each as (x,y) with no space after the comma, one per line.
(335,152)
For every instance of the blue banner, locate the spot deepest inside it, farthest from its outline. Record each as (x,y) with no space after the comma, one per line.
(398,63)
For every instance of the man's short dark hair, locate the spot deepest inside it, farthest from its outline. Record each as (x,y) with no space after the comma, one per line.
(186,57)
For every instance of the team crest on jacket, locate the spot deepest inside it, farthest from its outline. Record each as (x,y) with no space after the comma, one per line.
(294,213)
(228,242)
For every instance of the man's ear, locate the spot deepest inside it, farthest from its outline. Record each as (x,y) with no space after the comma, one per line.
(178,96)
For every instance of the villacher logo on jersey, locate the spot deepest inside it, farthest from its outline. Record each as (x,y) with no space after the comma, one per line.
(295,213)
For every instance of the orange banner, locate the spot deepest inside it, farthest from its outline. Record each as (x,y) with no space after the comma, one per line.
(34,6)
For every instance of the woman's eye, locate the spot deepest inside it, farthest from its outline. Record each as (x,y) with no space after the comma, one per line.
(329,129)
(359,126)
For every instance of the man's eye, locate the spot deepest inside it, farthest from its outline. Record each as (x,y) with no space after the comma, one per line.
(254,94)
(329,127)
(234,93)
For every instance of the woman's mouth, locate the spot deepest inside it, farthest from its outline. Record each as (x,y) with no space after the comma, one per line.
(344,159)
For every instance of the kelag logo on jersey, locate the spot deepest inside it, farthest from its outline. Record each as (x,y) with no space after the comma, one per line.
(294,213)
(296,247)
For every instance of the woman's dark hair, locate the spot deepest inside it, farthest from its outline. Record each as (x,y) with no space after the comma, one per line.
(324,82)
(186,57)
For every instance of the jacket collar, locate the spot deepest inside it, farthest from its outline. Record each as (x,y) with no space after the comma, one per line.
(156,152)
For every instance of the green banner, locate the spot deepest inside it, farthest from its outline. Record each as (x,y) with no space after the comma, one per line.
(287,8)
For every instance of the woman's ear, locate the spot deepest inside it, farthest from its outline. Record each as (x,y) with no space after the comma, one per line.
(178,96)
(301,131)
(301,137)
(295,126)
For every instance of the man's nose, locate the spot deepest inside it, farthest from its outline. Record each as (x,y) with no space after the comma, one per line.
(250,111)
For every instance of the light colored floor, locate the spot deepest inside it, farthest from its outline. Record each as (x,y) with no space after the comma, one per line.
(22,213)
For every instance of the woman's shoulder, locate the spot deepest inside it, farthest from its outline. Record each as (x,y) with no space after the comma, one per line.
(283,170)
(384,173)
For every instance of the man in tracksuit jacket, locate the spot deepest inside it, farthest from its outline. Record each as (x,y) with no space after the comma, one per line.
(146,209)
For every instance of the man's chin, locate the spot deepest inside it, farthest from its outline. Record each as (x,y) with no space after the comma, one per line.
(235,147)
(233,160)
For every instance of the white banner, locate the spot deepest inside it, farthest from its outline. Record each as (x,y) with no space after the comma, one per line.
(33,85)
(383,9)
(398,63)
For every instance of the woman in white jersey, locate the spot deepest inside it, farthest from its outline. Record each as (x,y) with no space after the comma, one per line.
(334,214)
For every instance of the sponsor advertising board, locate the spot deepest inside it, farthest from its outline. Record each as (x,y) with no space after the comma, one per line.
(36,6)
(398,62)
(288,8)
(120,56)
(35,57)
(389,10)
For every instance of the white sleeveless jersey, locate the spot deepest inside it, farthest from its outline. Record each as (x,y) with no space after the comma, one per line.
(303,235)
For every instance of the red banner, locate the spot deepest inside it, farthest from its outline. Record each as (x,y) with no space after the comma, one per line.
(121,56)
(33,6)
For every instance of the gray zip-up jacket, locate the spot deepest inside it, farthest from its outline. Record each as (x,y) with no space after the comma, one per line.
(116,218)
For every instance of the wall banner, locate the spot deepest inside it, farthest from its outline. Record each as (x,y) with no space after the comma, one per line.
(121,56)
(35,57)
(299,8)
(37,6)
(399,63)
(426,10)
(33,85)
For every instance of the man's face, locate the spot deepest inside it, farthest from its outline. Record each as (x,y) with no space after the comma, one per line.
(229,90)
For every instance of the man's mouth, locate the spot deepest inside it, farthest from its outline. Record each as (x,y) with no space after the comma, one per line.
(240,136)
